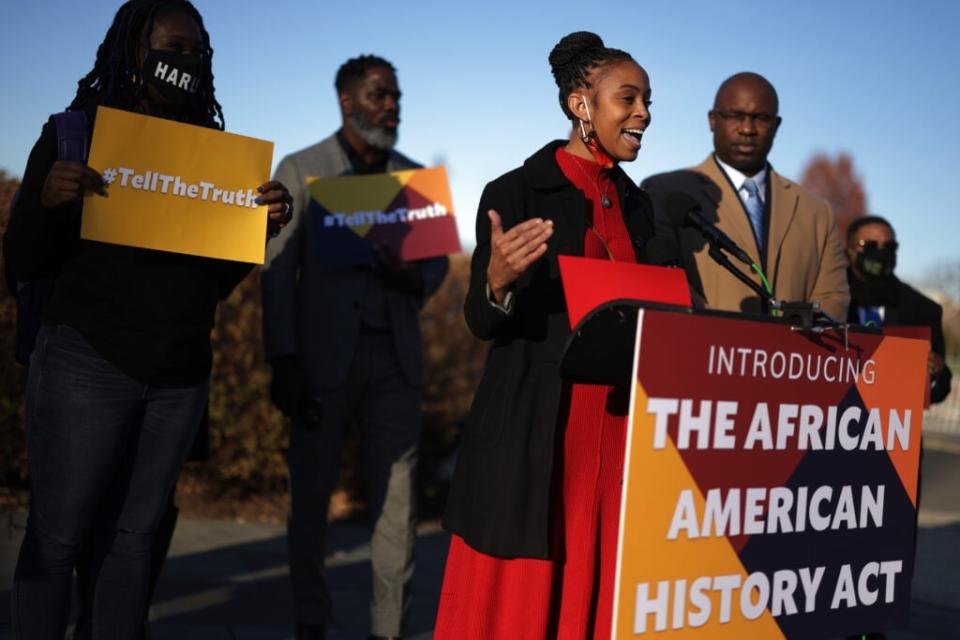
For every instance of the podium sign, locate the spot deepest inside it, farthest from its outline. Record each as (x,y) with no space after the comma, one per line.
(771,481)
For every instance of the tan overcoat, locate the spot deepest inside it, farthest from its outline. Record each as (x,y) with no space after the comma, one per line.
(804,258)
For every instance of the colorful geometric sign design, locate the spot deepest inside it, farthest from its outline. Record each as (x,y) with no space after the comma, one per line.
(177,187)
(410,211)
(771,481)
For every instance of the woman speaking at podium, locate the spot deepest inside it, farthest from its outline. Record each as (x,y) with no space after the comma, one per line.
(534,505)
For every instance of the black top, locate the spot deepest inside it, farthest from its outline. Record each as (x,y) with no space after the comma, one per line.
(904,306)
(500,498)
(148,312)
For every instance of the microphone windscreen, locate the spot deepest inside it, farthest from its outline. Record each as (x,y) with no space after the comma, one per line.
(661,251)
(678,204)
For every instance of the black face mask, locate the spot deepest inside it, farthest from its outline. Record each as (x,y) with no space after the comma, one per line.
(175,76)
(878,286)
(876,263)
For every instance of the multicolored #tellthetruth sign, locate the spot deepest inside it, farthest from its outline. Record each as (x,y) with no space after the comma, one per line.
(177,187)
(410,211)
(771,481)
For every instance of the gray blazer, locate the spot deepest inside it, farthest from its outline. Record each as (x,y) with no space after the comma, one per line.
(310,309)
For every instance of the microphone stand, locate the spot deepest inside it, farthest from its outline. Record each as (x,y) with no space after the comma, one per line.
(716,252)
(800,315)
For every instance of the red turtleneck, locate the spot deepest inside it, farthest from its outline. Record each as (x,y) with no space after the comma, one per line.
(595,181)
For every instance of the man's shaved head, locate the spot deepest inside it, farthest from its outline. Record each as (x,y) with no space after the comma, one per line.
(753,82)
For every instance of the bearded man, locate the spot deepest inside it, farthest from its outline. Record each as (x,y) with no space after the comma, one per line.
(345,348)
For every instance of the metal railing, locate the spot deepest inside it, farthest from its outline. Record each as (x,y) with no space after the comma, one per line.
(944,418)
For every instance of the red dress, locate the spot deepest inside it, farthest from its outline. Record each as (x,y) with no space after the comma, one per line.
(570,595)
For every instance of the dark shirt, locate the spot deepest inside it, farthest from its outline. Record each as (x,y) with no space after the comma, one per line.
(147,312)
(903,306)
(373,306)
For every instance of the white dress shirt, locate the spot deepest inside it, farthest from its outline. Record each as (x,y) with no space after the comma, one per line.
(738,178)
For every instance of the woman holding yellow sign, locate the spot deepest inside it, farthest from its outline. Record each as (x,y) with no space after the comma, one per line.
(119,371)
(534,503)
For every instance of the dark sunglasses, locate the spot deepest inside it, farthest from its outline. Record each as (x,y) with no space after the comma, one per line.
(872,245)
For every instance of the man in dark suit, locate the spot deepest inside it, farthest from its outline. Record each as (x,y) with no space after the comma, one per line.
(345,347)
(879,298)
(786,230)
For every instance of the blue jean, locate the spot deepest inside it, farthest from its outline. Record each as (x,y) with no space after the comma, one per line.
(104,453)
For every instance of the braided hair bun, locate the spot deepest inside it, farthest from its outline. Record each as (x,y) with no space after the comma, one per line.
(574,58)
(569,47)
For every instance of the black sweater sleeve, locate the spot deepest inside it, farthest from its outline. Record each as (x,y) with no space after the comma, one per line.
(484,320)
(38,238)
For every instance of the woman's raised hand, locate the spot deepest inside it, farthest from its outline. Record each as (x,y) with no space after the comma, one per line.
(512,252)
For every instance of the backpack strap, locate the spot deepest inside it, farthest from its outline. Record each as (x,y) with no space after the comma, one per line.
(73,135)
(73,144)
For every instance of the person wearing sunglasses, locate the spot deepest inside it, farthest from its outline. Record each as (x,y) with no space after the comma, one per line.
(790,234)
(880,299)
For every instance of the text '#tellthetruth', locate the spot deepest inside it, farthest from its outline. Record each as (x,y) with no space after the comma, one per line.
(156,182)
(393,216)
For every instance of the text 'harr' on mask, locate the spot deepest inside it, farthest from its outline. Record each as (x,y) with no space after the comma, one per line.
(175,76)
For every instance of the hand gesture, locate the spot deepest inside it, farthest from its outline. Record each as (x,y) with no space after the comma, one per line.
(279,205)
(512,252)
(67,182)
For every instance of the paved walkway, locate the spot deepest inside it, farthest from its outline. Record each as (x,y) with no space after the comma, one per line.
(229,580)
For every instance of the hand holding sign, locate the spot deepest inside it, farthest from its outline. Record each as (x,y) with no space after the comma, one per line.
(512,252)
(279,205)
(67,182)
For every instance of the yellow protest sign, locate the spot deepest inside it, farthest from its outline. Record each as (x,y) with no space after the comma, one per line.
(177,187)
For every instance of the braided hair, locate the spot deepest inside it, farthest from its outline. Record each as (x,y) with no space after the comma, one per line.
(115,80)
(356,68)
(573,60)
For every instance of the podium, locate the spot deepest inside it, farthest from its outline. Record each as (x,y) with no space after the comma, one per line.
(770,481)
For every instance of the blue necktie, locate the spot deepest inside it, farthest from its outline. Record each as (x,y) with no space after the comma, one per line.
(754,207)
(870,315)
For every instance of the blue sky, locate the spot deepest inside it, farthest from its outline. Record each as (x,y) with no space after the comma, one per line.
(876,79)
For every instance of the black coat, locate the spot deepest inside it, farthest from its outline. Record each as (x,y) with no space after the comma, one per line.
(910,308)
(499,502)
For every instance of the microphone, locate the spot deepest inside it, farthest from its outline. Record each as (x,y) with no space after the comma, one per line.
(684,211)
